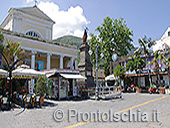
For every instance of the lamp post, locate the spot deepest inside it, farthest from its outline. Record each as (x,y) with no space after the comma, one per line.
(97,91)
(10,68)
(96,57)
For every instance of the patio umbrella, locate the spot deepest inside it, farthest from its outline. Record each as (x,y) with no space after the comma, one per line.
(26,73)
(3,73)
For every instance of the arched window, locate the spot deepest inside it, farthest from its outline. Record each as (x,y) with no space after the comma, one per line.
(32,33)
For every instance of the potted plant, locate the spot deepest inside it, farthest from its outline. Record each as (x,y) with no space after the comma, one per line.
(41,88)
(138,89)
(162,90)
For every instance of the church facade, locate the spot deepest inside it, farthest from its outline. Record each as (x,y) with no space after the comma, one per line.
(34,29)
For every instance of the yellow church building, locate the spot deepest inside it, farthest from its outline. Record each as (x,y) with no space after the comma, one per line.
(33,29)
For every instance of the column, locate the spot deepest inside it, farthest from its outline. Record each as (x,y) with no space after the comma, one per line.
(32,67)
(76,66)
(61,61)
(33,60)
(72,62)
(48,60)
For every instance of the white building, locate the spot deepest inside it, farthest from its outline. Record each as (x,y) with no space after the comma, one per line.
(164,42)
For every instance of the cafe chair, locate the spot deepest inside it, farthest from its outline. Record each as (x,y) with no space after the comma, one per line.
(37,101)
(5,103)
(27,101)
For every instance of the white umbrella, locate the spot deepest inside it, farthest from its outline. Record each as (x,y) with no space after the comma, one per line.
(26,73)
(3,73)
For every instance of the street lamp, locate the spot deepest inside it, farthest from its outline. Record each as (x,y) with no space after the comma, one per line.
(102,55)
(10,67)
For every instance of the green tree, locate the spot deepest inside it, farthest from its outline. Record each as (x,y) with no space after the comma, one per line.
(1,41)
(144,46)
(119,71)
(167,64)
(113,37)
(41,86)
(135,64)
(158,57)
(11,50)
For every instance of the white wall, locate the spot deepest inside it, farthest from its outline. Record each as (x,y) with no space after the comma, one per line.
(160,44)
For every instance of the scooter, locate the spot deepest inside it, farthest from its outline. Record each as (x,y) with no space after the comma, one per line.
(131,88)
(153,90)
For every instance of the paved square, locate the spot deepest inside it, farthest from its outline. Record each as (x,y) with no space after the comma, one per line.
(43,117)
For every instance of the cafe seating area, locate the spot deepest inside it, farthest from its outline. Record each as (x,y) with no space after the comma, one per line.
(23,100)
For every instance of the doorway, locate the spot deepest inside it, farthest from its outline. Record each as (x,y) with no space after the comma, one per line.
(70,93)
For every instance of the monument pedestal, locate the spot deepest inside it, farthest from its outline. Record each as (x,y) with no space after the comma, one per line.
(85,67)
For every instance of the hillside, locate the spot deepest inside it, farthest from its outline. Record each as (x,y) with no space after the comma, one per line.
(70,40)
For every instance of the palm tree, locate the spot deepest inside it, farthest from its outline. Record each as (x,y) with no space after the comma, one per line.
(145,44)
(11,50)
(158,57)
(167,64)
(1,40)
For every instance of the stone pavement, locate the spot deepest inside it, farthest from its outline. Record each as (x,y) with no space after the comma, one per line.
(43,117)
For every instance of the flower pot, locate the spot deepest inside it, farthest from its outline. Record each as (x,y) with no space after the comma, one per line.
(138,90)
(162,90)
(42,100)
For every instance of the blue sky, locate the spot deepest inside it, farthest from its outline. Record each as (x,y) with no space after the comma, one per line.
(144,17)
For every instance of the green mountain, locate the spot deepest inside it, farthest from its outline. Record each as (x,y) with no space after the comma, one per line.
(70,40)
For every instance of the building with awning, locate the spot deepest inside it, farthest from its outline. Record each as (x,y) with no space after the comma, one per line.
(63,83)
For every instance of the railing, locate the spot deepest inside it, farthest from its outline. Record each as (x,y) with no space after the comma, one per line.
(106,92)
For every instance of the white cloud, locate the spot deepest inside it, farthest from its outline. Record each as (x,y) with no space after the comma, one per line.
(29,1)
(70,22)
